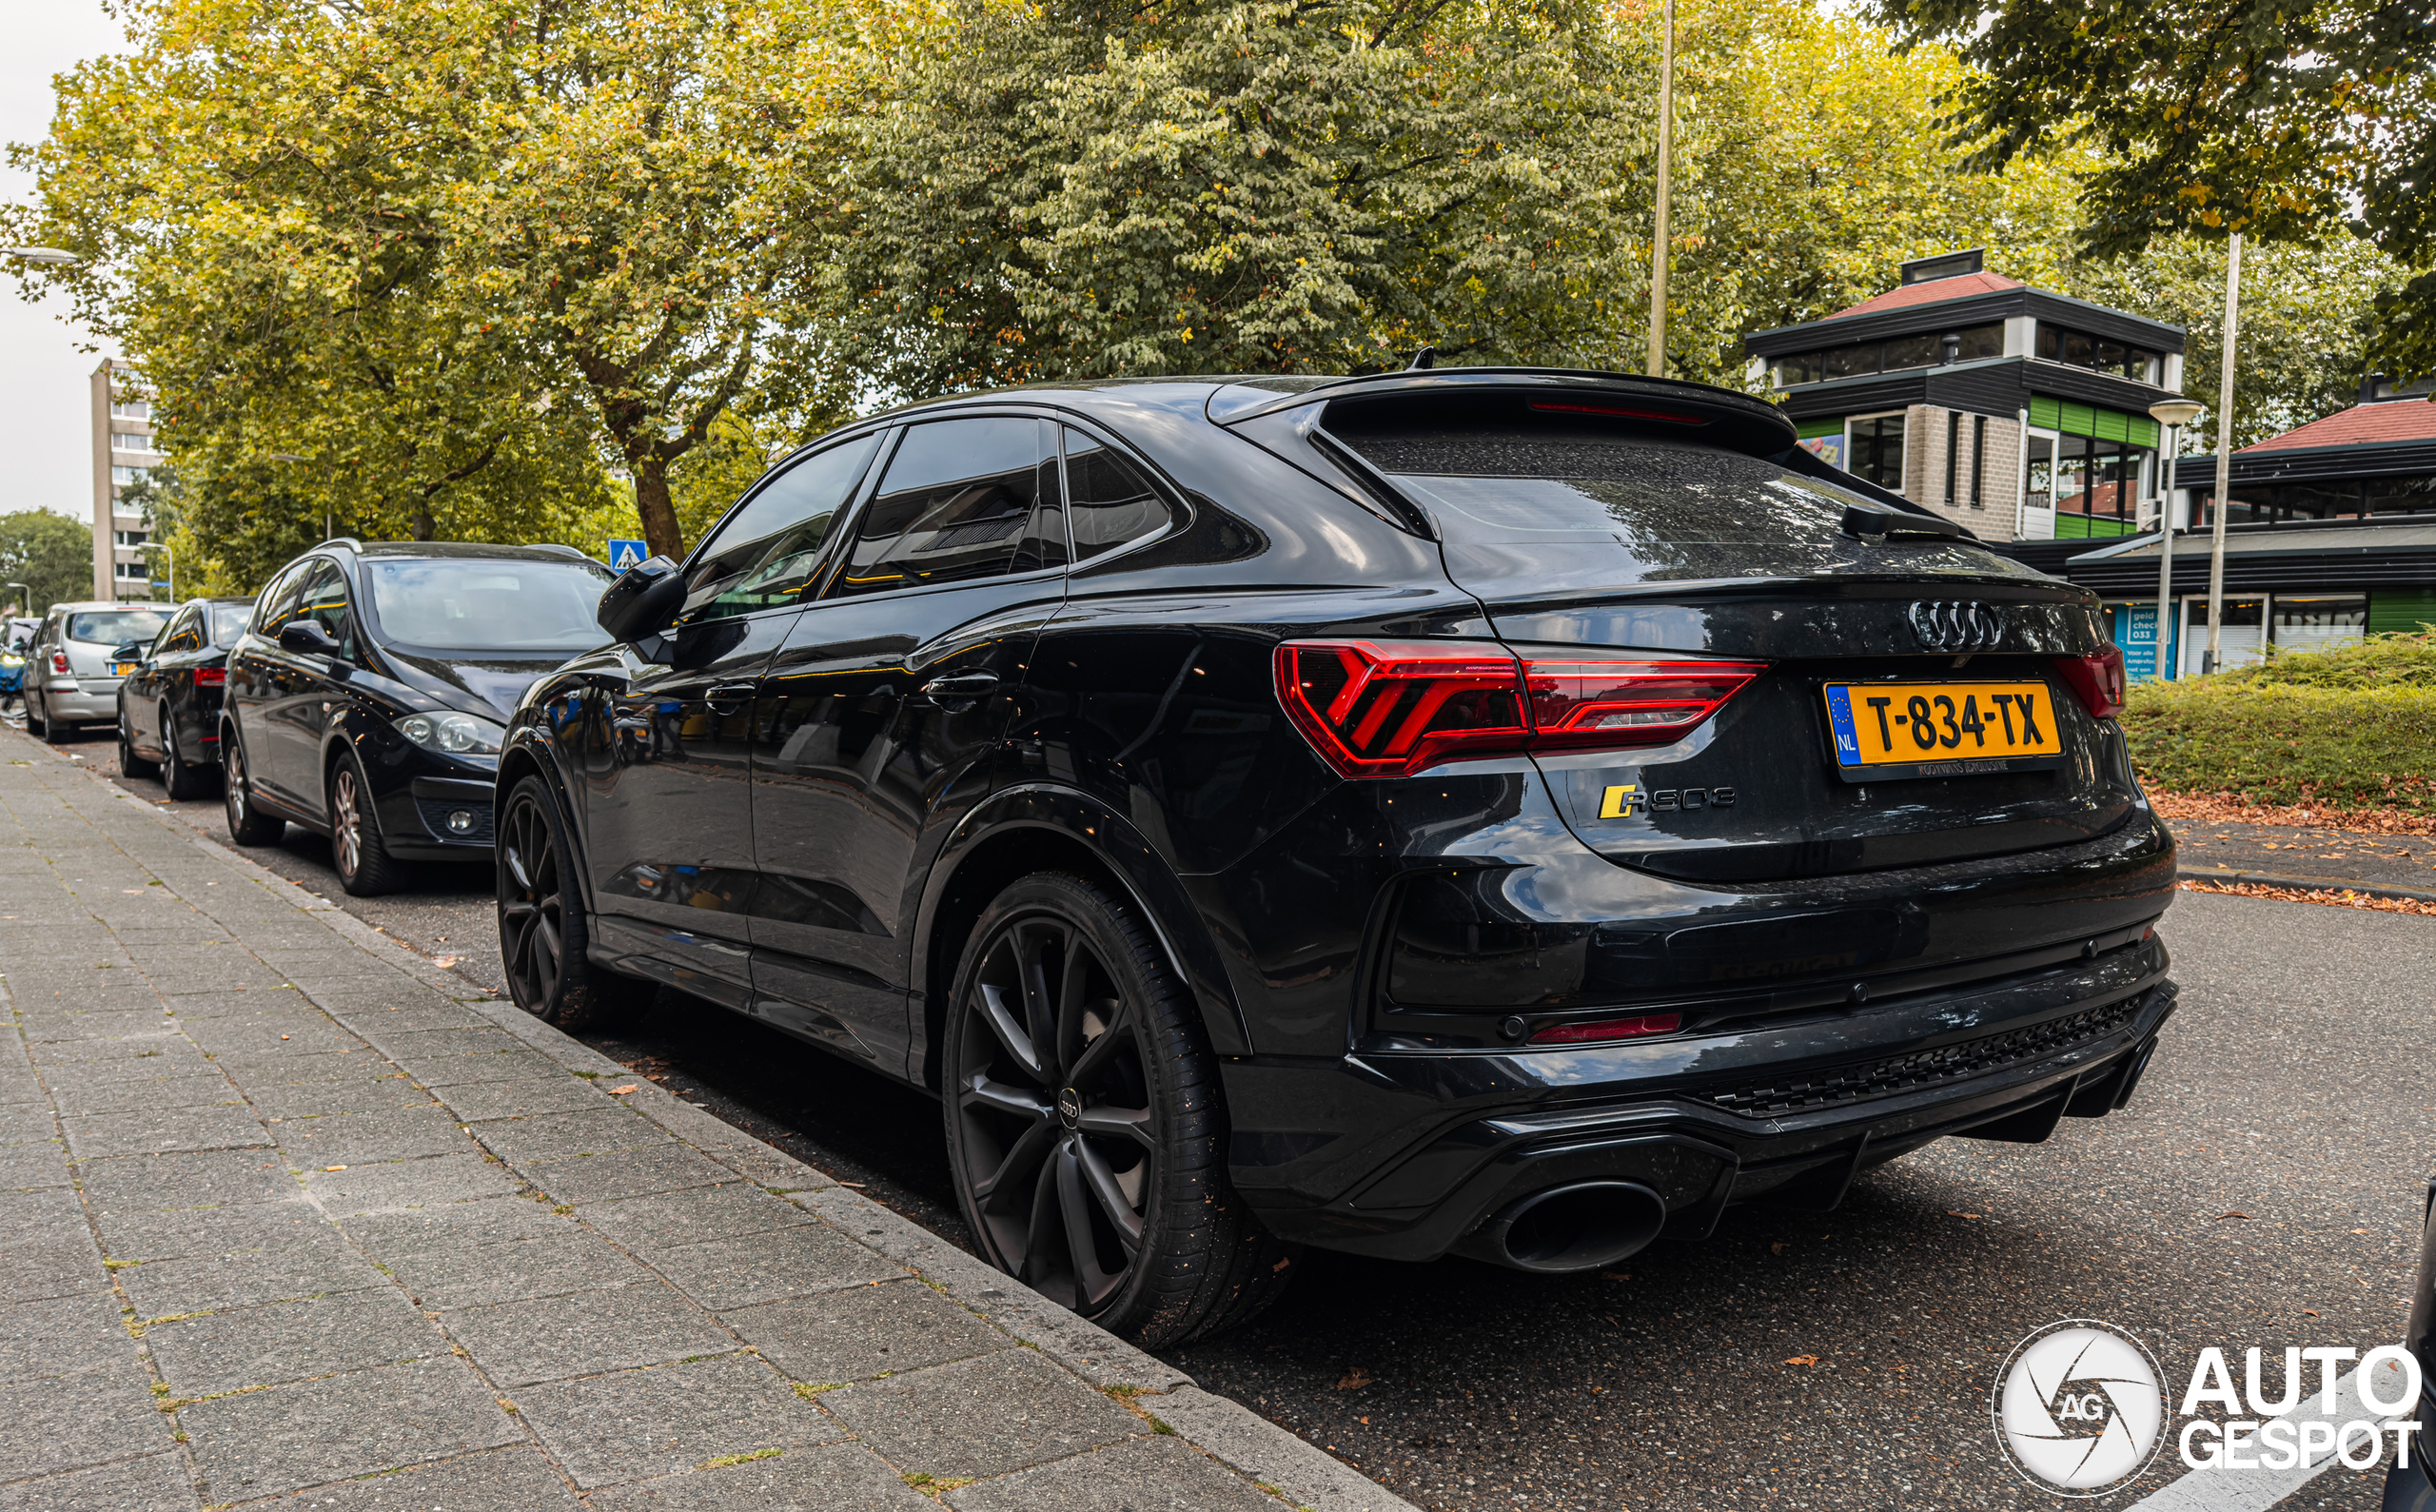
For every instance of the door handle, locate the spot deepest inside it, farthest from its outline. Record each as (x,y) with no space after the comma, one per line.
(728,695)
(962,685)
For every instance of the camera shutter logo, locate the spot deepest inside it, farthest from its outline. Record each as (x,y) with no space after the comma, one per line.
(2079,1407)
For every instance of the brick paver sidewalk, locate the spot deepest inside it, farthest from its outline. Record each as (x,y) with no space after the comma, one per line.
(285,1207)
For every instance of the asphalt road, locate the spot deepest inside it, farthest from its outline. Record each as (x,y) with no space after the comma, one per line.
(2262,1188)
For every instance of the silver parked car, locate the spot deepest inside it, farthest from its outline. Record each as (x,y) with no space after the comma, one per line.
(71,679)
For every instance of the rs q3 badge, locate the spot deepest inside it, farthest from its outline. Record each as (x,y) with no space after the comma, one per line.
(1627,801)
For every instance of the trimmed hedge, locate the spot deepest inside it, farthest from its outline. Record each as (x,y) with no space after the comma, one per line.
(2351,728)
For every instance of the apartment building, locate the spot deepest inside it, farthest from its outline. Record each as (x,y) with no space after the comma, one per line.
(125,453)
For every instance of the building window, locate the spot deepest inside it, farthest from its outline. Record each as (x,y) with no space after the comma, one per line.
(1952,455)
(2079,349)
(127,406)
(129,441)
(1979,462)
(1899,354)
(134,572)
(129,477)
(130,537)
(1877,448)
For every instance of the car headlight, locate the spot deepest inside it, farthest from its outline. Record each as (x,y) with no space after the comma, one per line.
(452,734)
(10,659)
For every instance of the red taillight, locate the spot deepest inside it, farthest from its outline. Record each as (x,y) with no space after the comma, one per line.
(1609,1029)
(1593,704)
(59,663)
(1386,709)
(211,676)
(2098,679)
(1382,709)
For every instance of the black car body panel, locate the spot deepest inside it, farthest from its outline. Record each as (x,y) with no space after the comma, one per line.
(1853,967)
(2412,1487)
(182,674)
(298,710)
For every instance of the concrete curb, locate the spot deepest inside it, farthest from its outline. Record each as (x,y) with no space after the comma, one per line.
(1292,1467)
(2305,884)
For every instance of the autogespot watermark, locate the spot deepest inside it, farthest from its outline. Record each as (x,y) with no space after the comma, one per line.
(2080,1408)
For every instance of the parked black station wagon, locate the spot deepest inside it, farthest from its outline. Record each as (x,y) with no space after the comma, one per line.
(367,696)
(1505,813)
(169,704)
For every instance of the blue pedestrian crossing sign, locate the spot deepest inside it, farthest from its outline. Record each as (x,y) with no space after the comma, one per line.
(625,554)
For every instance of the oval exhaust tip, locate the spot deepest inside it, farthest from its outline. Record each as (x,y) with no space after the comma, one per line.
(1578,1227)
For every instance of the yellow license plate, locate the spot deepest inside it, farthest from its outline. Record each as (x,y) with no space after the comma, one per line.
(1981,725)
(120,669)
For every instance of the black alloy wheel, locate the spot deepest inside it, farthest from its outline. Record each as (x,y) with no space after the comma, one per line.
(365,867)
(180,779)
(542,930)
(130,764)
(247,823)
(1084,1123)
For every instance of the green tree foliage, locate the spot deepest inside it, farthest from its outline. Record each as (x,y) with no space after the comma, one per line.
(455,257)
(50,554)
(1080,190)
(2286,120)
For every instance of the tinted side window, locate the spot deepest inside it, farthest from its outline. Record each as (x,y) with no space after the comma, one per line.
(185,633)
(765,554)
(1112,505)
(324,598)
(955,504)
(279,600)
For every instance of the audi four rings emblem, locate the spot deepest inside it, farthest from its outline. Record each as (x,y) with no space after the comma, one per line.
(1955,625)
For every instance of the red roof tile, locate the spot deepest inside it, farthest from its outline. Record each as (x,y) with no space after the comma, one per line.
(1936,291)
(2363,424)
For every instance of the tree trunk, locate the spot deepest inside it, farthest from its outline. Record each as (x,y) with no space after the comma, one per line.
(661,531)
(422,525)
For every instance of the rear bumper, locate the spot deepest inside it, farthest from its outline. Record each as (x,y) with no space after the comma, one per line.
(70,703)
(1786,1114)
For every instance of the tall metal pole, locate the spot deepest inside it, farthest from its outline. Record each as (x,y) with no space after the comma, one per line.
(1665,185)
(2165,558)
(2224,456)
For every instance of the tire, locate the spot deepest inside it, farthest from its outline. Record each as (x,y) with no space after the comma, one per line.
(179,780)
(544,932)
(52,731)
(1096,1174)
(34,722)
(130,764)
(247,823)
(365,866)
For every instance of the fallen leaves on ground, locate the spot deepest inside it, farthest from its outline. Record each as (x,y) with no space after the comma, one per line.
(2346,898)
(620,1092)
(1355,1379)
(1950,1213)
(2221,808)
(1803,1359)
(2221,1217)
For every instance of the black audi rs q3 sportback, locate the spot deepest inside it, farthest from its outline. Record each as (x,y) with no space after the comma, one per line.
(1504,813)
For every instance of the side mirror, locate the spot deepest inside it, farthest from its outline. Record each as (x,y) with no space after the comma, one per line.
(642,601)
(307,637)
(132,651)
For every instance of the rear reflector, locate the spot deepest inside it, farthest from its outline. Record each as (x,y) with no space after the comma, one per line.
(1388,709)
(211,676)
(2098,679)
(1609,1029)
(1579,407)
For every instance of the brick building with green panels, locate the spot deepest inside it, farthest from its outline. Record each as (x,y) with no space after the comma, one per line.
(2330,534)
(2020,413)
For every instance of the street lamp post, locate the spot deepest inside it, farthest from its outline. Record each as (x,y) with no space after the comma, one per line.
(2172,414)
(2224,456)
(172,558)
(46,256)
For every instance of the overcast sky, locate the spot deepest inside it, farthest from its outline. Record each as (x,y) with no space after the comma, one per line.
(46,422)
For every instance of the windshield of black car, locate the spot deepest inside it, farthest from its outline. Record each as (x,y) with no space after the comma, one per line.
(229,621)
(115,627)
(511,606)
(1645,509)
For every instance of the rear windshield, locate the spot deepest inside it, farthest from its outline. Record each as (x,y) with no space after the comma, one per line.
(1639,509)
(510,607)
(229,621)
(113,627)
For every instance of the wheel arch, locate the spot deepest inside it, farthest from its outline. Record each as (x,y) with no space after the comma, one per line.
(528,756)
(1024,830)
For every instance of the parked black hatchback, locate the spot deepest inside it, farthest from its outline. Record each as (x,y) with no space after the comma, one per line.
(1505,813)
(367,697)
(169,702)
